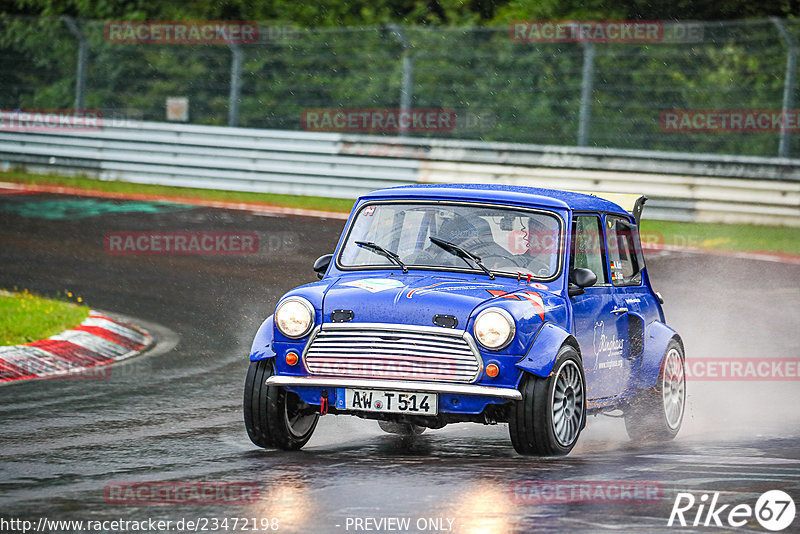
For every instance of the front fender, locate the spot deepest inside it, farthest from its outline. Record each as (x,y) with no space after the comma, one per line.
(655,346)
(542,355)
(262,344)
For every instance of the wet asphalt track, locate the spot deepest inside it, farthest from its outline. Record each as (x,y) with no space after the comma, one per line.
(175,415)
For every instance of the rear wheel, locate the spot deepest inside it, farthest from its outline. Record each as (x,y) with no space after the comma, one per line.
(273,416)
(404,429)
(552,412)
(657,413)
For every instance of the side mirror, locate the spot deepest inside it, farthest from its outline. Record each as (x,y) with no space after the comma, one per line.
(582,278)
(321,265)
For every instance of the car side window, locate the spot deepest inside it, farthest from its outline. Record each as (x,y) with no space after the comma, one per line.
(625,259)
(587,246)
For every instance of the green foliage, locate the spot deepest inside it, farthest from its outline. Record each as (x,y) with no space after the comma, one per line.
(305,14)
(339,13)
(561,10)
(463,59)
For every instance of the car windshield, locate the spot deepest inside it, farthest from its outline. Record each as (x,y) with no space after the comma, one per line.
(507,240)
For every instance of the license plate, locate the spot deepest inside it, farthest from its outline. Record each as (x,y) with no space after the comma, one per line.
(374,400)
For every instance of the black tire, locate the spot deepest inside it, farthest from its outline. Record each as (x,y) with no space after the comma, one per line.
(403,429)
(274,417)
(656,414)
(534,421)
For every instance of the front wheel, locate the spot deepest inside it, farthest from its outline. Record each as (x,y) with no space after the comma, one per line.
(273,416)
(657,413)
(552,412)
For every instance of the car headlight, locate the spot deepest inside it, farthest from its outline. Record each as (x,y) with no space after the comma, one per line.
(294,317)
(494,328)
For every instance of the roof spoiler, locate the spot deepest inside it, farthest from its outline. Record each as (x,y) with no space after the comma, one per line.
(630,202)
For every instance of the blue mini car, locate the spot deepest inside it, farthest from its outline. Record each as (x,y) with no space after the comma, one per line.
(483,303)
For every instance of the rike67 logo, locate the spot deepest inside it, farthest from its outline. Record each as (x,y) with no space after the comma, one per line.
(774,511)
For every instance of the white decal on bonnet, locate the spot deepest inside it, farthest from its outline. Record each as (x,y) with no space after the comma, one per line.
(374,285)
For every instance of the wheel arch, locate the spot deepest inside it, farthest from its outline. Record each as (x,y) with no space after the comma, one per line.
(262,344)
(657,340)
(541,357)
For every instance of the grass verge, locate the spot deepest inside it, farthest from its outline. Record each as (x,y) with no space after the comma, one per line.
(291,201)
(25,317)
(736,237)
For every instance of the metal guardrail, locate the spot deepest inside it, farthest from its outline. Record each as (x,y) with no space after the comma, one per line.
(207,157)
(583,158)
(696,187)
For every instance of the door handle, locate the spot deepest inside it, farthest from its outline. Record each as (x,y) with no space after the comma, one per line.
(619,310)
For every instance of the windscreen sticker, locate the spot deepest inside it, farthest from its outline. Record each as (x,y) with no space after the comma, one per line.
(369,211)
(374,285)
(616,271)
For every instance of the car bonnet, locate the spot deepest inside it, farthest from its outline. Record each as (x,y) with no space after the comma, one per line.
(410,299)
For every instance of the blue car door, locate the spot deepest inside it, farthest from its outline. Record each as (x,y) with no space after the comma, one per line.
(599,326)
(632,297)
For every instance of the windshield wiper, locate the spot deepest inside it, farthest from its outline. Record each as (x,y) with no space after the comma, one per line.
(455,250)
(377,249)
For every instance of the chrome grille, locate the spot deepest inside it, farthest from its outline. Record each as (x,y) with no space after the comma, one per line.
(393,352)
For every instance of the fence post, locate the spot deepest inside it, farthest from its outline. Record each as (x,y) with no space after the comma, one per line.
(788,84)
(587,86)
(83,51)
(406,88)
(236,84)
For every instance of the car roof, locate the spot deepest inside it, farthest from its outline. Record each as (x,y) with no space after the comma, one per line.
(514,194)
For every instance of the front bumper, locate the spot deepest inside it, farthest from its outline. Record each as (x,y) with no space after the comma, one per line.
(428,387)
